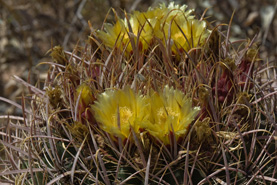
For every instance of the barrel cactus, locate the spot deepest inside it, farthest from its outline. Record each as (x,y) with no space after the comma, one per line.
(158,97)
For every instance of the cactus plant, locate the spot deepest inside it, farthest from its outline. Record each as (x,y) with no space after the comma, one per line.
(160,97)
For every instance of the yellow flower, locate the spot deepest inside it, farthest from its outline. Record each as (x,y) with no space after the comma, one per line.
(171,111)
(114,36)
(195,32)
(117,110)
(142,27)
(86,96)
(142,24)
(186,32)
(148,25)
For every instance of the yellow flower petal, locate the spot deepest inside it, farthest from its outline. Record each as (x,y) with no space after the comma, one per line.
(117,110)
(171,111)
(156,23)
(86,96)
(114,36)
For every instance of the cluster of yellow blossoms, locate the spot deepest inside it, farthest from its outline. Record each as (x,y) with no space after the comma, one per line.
(172,23)
(162,114)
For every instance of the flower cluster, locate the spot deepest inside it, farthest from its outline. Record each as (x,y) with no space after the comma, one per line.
(172,23)
(162,114)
